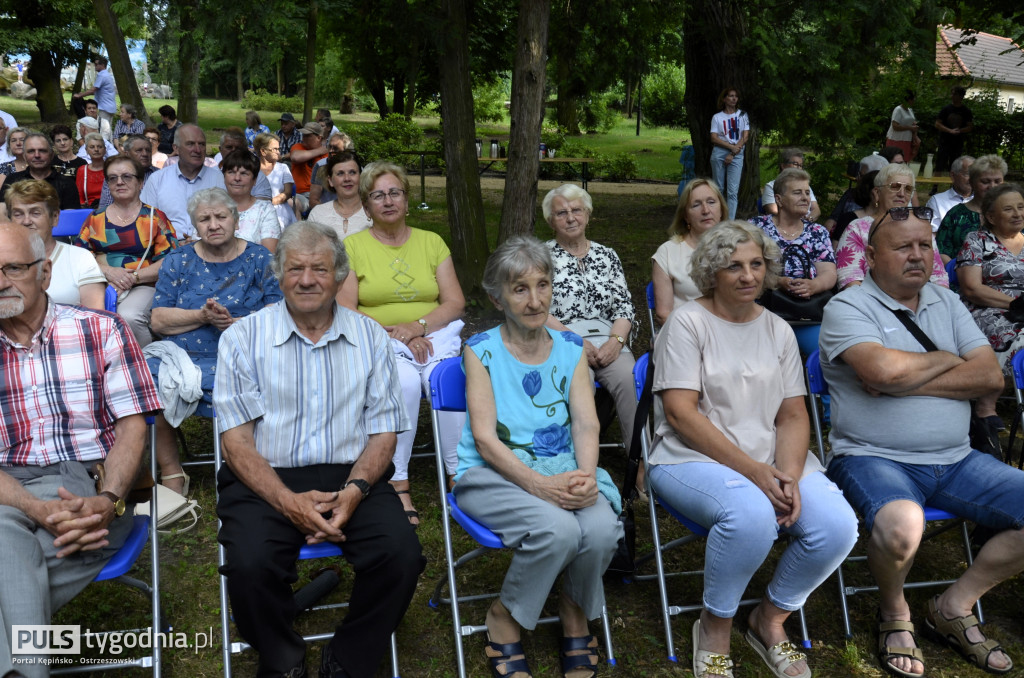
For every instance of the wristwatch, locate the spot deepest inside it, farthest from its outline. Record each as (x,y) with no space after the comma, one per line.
(363,486)
(423,322)
(117,501)
(621,340)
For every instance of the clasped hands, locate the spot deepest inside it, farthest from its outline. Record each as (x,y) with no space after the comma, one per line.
(571,490)
(319,515)
(798,287)
(411,334)
(213,313)
(78,523)
(603,355)
(782,490)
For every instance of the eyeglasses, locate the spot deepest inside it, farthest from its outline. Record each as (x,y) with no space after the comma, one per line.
(18,271)
(897,187)
(119,178)
(577,213)
(394,194)
(793,163)
(902,214)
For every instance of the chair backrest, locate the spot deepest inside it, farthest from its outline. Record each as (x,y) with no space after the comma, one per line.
(951,274)
(110,299)
(69,223)
(448,386)
(640,373)
(815,377)
(649,290)
(1018,370)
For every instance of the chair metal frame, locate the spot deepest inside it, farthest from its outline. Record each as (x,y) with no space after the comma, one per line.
(448,394)
(116,569)
(697,532)
(817,387)
(649,292)
(307,552)
(1017,362)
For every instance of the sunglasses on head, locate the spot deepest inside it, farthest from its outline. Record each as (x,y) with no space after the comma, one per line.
(902,214)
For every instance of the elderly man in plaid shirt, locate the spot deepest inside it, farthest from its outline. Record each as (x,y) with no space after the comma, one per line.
(74,388)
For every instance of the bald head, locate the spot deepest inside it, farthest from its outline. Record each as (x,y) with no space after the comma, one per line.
(900,255)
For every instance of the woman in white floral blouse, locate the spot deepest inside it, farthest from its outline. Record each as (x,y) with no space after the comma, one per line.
(591,298)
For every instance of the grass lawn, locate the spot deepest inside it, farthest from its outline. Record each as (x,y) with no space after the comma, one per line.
(634,226)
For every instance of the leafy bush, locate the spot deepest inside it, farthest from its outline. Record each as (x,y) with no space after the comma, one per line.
(662,103)
(388,137)
(262,100)
(596,115)
(489,102)
(618,167)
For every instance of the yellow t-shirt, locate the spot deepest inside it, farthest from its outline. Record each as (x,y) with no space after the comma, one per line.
(396,284)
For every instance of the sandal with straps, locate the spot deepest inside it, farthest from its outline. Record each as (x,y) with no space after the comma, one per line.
(411,514)
(708,663)
(175,476)
(953,632)
(779,656)
(587,658)
(885,652)
(500,658)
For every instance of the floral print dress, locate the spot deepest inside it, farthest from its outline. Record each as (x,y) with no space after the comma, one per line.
(1002,271)
(592,287)
(813,240)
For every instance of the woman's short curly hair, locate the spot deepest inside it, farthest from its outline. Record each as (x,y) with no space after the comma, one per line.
(716,247)
(514,258)
(374,171)
(986,164)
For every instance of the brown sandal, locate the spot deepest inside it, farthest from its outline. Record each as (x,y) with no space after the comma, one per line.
(885,652)
(953,632)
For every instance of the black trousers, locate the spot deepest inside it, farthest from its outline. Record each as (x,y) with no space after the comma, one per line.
(262,546)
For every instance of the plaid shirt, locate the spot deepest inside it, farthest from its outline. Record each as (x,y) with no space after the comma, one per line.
(289,140)
(61,395)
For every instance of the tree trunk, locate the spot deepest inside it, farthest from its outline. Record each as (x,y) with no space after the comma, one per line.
(348,99)
(398,95)
(711,46)
(280,76)
(465,203)
(188,61)
(628,103)
(83,62)
(120,63)
(44,73)
(380,96)
(519,205)
(307,102)
(411,76)
(239,87)
(566,107)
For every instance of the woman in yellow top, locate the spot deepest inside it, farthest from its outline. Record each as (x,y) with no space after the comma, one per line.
(404,278)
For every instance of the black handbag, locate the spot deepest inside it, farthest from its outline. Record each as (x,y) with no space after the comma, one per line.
(788,306)
(624,560)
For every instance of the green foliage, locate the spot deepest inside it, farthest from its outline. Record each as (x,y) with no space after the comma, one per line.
(262,100)
(331,77)
(617,167)
(596,113)
(662,103)
(389,137)
(489,101)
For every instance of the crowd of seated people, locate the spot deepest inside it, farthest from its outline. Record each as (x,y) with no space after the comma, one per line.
(223,281)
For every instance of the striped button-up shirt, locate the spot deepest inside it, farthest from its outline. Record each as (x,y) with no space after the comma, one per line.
(311,403)
(61,395)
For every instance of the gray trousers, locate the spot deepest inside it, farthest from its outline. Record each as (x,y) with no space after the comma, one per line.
(136,307)
(34,583)
(617,379)
(546,540)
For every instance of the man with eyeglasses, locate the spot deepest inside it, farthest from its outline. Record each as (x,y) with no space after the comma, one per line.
(58,524)
(958,194)
(39,156)
(791,157)
(903,358)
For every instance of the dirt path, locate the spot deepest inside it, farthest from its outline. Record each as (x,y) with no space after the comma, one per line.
(498,183)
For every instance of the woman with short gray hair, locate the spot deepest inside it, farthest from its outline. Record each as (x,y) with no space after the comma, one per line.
(731,383)
(203,287)
(128,124)
(536,452)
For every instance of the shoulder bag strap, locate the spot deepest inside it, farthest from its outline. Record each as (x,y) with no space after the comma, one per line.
(914,329)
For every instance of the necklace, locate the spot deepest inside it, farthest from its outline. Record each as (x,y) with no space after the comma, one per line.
(787,235)
(133,212)
(345,217)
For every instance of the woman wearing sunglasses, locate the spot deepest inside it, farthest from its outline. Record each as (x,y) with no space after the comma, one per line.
(892,194)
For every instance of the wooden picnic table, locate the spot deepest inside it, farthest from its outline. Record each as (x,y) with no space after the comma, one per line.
(584,162)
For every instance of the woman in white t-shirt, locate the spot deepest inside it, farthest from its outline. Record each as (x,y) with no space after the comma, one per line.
(902,131)
(75,278)
(730,450)
(346,213)
(701,206)
(729,132)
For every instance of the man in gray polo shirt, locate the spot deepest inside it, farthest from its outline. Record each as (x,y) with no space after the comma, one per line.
(900,417)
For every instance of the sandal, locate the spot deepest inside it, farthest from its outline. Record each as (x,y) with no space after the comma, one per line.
(885,652)
(175,476)
(411,514)
(953,632)
(500,657)
(586,646)
(709,663)
(779,656)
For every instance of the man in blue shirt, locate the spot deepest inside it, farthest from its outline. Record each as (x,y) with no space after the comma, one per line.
(309,405)
(103,88)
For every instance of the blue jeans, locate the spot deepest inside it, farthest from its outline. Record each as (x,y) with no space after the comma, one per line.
(742,529)
(980,488)
(727,176)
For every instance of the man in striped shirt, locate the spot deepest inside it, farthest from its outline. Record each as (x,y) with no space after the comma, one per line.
(73,391)
(309,407)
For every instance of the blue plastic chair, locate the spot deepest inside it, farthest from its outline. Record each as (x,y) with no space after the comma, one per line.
(819,388)
(649,290)
(448,394)
(143,532)
(110,299)
(697,532)
(307,552)
(69,223)
(954,281)
(1017,362)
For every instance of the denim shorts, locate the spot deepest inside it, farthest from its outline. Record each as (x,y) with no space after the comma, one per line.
(979,487)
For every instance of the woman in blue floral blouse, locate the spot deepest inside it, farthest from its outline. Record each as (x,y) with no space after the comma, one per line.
(528,464)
